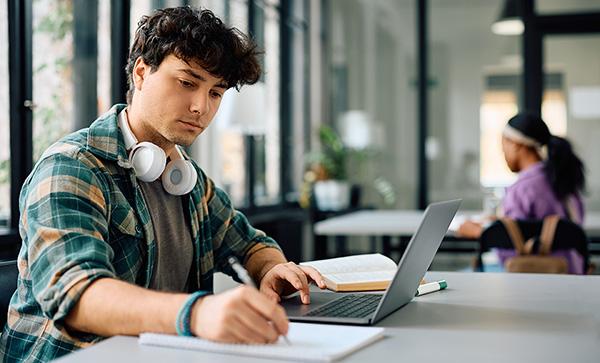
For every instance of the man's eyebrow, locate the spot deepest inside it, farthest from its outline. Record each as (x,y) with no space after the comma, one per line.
(200,78)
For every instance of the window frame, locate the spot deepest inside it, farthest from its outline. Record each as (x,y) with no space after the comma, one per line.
(20,109)
(287,23)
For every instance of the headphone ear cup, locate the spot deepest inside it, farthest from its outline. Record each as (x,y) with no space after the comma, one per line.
(148,161)
(179,177)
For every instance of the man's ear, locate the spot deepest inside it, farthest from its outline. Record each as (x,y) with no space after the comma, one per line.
(139,73)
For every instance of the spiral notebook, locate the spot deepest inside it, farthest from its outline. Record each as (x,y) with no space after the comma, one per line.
(309,342)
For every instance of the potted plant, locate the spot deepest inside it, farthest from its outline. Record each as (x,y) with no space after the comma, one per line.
(326,174)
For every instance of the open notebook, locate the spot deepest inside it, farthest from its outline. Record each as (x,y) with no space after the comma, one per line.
(309,342)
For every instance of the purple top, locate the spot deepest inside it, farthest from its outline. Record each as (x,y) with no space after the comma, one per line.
(531,197)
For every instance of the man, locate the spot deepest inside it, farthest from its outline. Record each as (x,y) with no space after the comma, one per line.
(106,252)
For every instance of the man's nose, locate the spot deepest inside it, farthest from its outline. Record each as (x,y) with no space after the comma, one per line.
(200,105)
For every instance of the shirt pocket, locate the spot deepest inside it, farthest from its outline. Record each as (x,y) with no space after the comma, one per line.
(124,221)
(127,240)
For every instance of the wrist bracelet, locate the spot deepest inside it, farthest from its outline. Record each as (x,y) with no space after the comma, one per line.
(182,323)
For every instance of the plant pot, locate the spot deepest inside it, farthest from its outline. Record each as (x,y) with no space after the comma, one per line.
(332,195)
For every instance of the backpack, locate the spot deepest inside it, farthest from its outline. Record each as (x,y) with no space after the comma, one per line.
(525,260)
(520,241)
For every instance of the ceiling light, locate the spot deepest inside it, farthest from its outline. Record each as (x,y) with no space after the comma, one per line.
(509,22)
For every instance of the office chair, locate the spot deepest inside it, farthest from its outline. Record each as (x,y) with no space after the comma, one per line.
(8,285)
(568,235)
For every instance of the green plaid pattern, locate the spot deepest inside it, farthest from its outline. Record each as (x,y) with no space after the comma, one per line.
(83,217)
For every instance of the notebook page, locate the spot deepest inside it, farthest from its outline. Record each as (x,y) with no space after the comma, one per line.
(309,342)
(366,262)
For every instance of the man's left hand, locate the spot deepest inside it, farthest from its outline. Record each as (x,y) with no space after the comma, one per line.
(286,278)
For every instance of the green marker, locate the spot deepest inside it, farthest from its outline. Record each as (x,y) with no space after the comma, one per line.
(431,287)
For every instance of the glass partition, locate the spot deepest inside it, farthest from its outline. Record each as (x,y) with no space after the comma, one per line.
(576,58)
(371,58)
(475,78)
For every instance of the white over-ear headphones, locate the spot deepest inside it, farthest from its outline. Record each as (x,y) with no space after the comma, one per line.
(148,161)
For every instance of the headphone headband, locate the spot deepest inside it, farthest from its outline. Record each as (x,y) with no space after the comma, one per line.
(128,136)
(148,161)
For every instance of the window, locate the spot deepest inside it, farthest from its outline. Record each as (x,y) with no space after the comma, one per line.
(240,152)
(554,111)
(371,68)
(66,68)
(139,8)
(52,72)
(227,144)
(52,80)
(499,104)
(469,104)
(497,108)
(300,82)
(238,14)
(232,173)
(577,58)
(267,142)
(4,121)
(104,54)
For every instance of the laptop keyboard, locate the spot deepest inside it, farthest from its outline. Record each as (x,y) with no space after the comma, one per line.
(349,306)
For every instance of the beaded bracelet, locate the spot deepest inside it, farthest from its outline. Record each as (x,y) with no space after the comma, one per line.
(182,323)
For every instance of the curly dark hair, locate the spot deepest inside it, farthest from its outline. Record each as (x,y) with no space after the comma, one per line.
(195,35)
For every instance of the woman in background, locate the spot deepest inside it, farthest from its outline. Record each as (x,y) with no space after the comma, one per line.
(551,177)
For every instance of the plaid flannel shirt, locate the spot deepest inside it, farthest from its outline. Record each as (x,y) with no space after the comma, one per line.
(83,217)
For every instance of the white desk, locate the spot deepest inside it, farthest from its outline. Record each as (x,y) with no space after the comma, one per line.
(481,317)
(383,224)
(405,223)
(371,223)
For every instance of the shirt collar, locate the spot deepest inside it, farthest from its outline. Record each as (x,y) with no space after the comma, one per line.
(105,139)
(534,170)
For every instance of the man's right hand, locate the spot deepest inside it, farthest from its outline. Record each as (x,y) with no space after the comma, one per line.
(240,315)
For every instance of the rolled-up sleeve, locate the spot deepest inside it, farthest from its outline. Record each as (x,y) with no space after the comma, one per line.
(231,232)
(65,229)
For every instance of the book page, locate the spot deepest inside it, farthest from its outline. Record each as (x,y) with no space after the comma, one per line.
(359,277)
(357,263)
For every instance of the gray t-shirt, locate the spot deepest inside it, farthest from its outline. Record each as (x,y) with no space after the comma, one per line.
(175,248)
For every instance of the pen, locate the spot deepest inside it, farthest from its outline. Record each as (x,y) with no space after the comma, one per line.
(246,279)
(431,287)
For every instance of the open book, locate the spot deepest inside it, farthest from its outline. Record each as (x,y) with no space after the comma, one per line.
(356,273)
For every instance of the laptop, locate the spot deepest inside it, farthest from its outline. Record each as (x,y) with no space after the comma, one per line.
(369,308)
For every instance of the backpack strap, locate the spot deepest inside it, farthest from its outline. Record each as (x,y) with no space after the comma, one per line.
(571,209)
(547,234)
(516,237)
